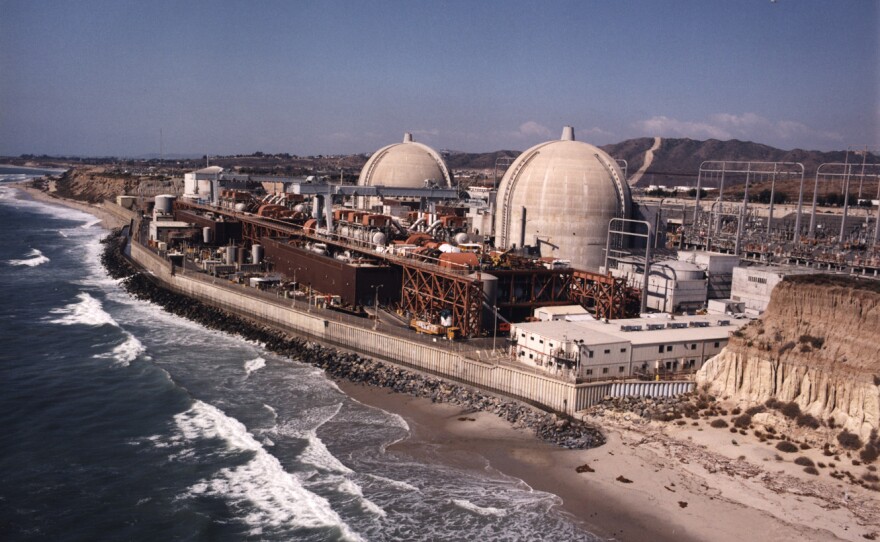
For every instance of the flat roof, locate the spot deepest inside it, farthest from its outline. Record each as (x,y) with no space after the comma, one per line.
(597,332)
(560,330)
(563,310)
(667,334)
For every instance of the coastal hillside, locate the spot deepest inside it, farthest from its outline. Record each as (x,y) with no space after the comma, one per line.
(678,160)
(817,345)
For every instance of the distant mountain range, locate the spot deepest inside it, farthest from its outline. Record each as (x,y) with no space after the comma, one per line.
(677,161)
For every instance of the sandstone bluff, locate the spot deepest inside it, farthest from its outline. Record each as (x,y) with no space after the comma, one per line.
(817,345)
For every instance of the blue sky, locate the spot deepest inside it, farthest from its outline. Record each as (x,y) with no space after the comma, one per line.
(104,77)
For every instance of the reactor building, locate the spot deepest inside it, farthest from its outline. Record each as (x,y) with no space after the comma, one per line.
(406,165)
(558,198)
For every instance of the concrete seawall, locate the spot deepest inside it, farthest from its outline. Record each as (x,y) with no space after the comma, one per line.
(541,390)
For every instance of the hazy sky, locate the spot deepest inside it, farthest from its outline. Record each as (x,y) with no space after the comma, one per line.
(322,77)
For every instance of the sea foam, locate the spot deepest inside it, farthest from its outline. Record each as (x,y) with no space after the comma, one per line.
(31,259)
(126,352)
(254,365)
(87,311)
(271,496)
(480,510)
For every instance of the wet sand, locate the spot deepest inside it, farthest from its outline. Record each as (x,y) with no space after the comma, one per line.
(650,482)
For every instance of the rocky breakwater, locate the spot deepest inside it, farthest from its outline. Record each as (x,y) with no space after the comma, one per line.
(817,345)
(561,431)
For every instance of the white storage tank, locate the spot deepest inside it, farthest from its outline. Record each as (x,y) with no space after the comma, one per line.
(257,254)
(165,203)
(207,235)
(230,255)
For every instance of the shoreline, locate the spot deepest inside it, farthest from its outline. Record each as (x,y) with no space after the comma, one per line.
(650,456)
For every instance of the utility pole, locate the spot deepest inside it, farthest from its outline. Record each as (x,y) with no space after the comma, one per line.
(376,307)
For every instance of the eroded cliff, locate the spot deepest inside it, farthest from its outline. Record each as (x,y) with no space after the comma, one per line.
(818,345)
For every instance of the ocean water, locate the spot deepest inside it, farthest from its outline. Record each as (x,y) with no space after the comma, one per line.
(122,422)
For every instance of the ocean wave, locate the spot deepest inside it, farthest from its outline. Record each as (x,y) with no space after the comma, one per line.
(254,365)
(397,484)
(13,196)
(480,510)
(348,487)
(87,311)
(126,352)
(32,259)
(317,455)
(270,496)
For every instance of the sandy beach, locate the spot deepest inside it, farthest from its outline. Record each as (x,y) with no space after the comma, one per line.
(651,481)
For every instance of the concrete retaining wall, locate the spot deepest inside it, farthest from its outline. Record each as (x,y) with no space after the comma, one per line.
(534,388)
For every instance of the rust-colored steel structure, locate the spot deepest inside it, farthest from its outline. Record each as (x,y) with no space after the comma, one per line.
(426,293)
(609,297)
(426,289)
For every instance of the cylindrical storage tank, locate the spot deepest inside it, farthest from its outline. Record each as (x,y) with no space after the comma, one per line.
(230,255)
(241,253)
(163,246)
(164,203)
(240,207)
(446,247)
(379,238)
(490,294)
(207,235)
(460,238)
(257,254)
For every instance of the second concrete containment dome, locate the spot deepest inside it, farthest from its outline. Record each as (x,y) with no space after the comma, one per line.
(560,196)
(405,165)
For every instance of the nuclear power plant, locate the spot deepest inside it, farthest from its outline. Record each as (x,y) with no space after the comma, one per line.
(560,236)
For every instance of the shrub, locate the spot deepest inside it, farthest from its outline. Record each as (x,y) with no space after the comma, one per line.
(805,348)
(790,410)
(771,430)
(820,465)
(718,423)
(869,454)
(868,477)
(849,441)
(804,462)
(787,447)
(742,421)
(786,347)
(831,422)
(811,470)
(733,429)
(815,342)
(757,409)
(772,403)
(808,420)
(736,411)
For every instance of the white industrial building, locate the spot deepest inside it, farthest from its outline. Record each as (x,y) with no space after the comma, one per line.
(621,348)
(673,285)
(752,286)
(718,268)
(202,183)
(562,312)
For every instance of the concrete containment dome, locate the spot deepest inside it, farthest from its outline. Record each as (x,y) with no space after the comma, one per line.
(560,196)
(405,165)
